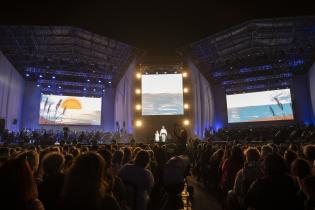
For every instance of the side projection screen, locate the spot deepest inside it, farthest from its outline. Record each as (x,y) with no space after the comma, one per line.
(162,94)
(69,110)
(260,106)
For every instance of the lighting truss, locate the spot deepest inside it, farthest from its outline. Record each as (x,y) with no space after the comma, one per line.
(67,73)
(68,83)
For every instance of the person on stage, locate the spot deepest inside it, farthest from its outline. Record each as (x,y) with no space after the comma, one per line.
(157,136)
(163,134)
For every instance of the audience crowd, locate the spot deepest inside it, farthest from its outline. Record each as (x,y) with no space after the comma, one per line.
(73,175)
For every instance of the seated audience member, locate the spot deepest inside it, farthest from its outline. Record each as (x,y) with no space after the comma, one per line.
(18,189)
(214,169)
(175,172)
(301,169)
(84,187)
(117,161)
(53,179)
(230,167)
(127,155)
(276,190)
(309,153)
(266,150)
(138,180)
(289,157)
(308,187)
(247,175)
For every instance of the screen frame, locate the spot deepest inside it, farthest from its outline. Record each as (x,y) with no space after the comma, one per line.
(183,95)
(69,124)
(275,122)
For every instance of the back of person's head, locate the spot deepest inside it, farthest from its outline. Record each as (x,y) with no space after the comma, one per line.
(266,150)
(118,156)
(301,168)
(142,159)
(309,152)
(127,154)
(252,154)
(289,157)
(32,158)
(275,165)
(107,156)
(84,178)
(17,183)
(237,154)
(53,163)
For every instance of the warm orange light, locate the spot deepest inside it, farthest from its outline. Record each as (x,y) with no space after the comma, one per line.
(186,106)
(186,122)
(138,123)
(185,90)
(138,75)
(185,74)
(138,91)
(138,107)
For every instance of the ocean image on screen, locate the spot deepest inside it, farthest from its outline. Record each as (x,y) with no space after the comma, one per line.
(260,106)
(162,94)
(69,110)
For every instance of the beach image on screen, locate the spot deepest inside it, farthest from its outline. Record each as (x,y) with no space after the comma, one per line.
(260,106)
(69,110)
(162,94)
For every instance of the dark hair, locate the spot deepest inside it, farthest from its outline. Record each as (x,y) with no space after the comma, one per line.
(17,183)
(117,157)
(127,155)
(309,152)
(142,158)
(53,163)
(85,177)
(289,157)
(301,168)
(275,165)
(237,155)
(252,154)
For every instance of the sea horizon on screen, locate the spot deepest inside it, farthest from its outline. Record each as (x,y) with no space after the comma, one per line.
(162,94)
(260,106)
(70,110)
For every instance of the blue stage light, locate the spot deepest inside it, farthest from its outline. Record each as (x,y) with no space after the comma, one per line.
(27,75)
(40,76)
(53,77)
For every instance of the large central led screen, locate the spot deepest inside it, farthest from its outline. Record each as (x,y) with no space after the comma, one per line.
(69,110)
(162,94)
(260,106)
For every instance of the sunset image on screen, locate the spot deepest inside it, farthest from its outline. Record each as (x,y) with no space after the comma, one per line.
(70,110)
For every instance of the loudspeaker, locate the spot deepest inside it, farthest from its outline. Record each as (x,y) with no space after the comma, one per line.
(2,126)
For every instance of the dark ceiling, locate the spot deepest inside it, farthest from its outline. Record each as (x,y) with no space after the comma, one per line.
(158,27)
(66,58)
(257,54)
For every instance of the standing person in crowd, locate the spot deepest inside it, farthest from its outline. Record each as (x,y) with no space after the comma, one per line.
(230,167)
(85,188)
(53,179)
(18,189)
(251,171)
(276,189)
(138,180)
